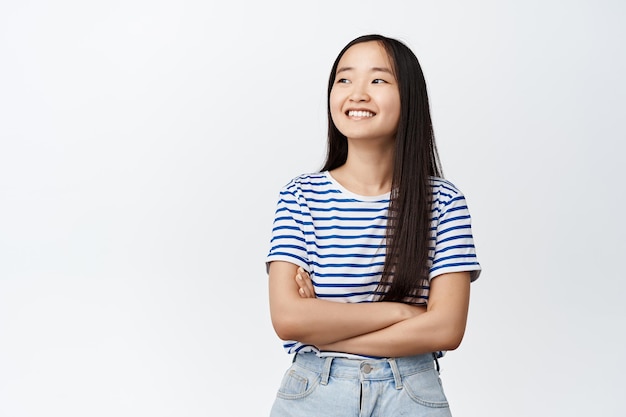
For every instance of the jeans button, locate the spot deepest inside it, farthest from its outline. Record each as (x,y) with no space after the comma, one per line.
(367,368)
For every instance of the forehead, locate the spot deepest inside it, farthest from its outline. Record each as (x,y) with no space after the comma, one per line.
(366,55)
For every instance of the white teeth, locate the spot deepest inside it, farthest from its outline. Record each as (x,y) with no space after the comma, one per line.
(360,113)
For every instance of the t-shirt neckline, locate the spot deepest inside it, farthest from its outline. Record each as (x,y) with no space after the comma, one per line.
(349,193)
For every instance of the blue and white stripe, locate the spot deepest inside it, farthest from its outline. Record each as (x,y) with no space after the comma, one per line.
(339,237)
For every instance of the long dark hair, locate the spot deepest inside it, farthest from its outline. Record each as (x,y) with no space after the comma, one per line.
(405,274)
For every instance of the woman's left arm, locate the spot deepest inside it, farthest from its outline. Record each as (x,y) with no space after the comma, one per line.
(440,328)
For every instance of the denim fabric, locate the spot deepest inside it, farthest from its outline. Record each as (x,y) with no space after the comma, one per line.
(320,387)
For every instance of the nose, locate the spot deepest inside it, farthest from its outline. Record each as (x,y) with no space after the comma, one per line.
(359,93)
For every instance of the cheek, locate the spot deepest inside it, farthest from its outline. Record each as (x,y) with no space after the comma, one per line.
(392,104)
(335,104)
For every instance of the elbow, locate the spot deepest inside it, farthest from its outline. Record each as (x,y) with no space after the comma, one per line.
(447,331)
(290,320)
(451,339)
(285,328)
(451,344)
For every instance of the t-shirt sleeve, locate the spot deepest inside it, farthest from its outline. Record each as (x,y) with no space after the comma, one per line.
(288,240)
(454,249)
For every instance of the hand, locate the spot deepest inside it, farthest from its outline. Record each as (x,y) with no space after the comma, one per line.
(305,285)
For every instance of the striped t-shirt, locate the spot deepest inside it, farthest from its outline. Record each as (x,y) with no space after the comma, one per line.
(339,238)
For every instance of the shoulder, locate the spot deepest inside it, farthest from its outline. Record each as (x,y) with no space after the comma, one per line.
(445,192)
(308,183)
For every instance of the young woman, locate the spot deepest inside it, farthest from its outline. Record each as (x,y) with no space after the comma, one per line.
(371,259)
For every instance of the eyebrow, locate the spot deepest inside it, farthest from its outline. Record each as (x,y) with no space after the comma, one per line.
(373,69)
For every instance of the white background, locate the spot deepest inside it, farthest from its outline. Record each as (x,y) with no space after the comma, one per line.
(143,144)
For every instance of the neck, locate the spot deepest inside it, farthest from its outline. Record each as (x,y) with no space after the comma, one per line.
(368,169)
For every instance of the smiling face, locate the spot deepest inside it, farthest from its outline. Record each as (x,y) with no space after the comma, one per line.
(364,99)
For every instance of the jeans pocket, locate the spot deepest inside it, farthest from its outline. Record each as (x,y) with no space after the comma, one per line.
(298,382)
(425,388)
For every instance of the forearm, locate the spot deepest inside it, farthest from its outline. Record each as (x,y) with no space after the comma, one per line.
(422,334)
(315,321)
(319,322)
(441,327)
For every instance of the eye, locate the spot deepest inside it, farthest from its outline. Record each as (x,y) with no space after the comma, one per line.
(379,81)
(342,81)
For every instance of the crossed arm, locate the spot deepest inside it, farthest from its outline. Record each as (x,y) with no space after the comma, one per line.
(385,329)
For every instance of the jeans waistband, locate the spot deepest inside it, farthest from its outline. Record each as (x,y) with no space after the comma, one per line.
(365,369)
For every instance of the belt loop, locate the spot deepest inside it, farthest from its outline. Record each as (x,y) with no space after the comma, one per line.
(326,370)
(396,373)
(436,363)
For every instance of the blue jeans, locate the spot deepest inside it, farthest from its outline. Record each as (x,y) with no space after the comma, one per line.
(320,387)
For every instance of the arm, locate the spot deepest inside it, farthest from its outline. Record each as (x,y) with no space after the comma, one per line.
(315,321)
(441,327)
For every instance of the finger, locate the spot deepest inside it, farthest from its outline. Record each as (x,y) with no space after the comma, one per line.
(300,281)
(302,288)
(310,289)
(307,282)
(302,273)
(305,293)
